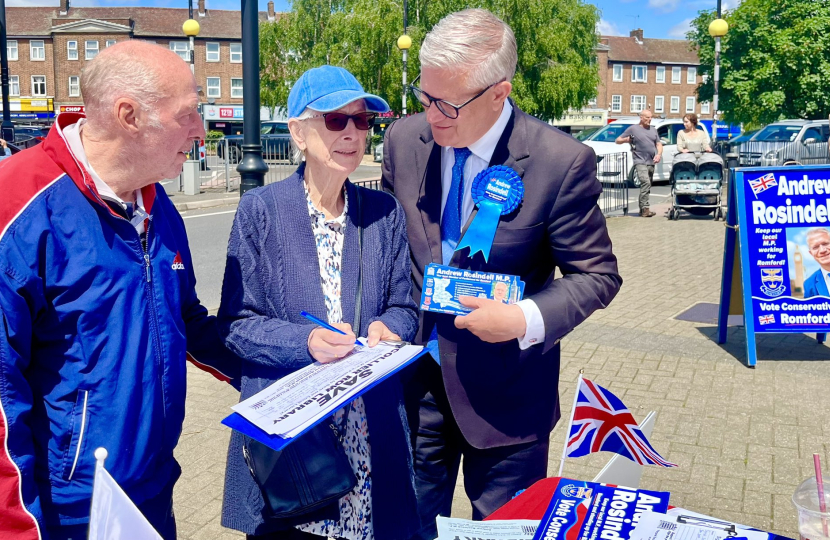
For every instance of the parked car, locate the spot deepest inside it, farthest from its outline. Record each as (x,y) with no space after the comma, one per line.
(276,143)
(26,133)
(585,133)
(603,143)
(788,141)
(378,153)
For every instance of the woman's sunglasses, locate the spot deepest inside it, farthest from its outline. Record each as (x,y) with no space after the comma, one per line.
(336,121)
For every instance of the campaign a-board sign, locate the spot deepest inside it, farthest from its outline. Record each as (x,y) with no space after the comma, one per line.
(781,217)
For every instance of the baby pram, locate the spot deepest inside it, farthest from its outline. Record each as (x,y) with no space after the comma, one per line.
(696,181)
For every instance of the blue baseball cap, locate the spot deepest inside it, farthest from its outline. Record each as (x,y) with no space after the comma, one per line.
(328,88)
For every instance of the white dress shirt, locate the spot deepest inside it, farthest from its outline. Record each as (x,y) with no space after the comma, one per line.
(826,275)
(72,134)
(481,152)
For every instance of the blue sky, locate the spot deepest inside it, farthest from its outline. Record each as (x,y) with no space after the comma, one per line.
(658,18)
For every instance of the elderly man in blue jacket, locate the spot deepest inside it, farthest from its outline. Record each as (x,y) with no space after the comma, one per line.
(97,299)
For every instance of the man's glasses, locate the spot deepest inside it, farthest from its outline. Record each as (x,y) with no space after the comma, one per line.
(448,109)
(336,121)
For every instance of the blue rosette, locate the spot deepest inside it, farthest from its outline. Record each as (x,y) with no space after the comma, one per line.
(496,191)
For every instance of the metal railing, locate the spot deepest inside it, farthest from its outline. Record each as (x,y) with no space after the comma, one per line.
(222,156)
(776,153)
(612,170)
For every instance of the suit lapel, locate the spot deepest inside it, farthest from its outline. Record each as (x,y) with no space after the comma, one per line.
(821,284)
(510,151)
(428,159)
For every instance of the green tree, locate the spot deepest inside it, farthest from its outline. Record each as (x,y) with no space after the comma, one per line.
(557,67)
(775,60)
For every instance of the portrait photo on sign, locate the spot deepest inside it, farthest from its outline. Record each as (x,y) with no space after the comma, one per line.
(808,258)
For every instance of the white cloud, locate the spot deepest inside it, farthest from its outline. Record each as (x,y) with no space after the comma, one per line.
(606,28)
(664,5)
(679,30)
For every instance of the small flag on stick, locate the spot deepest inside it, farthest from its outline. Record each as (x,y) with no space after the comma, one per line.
(600,422)
(113,515)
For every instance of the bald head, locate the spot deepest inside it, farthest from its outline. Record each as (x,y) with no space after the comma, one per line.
(136,70)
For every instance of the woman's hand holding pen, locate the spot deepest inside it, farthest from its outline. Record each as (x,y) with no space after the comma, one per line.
(326,346)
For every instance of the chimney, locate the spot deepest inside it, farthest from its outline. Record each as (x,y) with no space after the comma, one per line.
(202,10)
(271,14)
(637,35)
(64,7)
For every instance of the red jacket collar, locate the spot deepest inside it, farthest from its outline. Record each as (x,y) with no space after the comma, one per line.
(57,148)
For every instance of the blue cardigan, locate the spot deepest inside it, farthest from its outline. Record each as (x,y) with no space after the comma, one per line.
(272,274)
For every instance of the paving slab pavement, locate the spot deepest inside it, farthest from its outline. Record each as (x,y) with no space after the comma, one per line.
(743,437)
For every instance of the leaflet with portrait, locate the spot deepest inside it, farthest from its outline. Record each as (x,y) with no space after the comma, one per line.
(444,285)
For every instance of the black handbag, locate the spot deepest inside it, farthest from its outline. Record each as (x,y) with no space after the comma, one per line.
(312,472)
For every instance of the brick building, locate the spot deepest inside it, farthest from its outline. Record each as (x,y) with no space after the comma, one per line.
(48,47)
(638,73)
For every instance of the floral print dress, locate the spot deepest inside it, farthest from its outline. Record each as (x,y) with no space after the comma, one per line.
(355,521)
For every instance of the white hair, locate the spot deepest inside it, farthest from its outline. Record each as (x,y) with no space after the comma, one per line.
(297,153)
(815,232)
(110,77)
(474,42)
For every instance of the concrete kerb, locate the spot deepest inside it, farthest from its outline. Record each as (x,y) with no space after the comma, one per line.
(209,203)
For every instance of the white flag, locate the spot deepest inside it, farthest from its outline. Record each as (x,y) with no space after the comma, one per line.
(114,516)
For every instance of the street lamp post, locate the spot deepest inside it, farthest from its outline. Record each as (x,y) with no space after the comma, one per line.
(252,167)
(404,43)
(717,29)
(191,30)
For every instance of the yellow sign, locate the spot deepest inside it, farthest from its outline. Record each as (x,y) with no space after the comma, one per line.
(30,105)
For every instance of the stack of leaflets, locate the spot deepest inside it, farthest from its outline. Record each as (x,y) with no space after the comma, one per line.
(591,511)
(443,285)
(300,400)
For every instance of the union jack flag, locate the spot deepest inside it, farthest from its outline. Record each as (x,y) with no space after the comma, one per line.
(602,423)
(762,184)
(766,319)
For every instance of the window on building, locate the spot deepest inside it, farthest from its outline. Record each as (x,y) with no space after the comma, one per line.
(639,74)
(236,88)
(659,104)
(704,78)
(618,73)
(39,85)
(74,86)
(660,75)
(592,102)
(236,53)
(37,50)
(675,74)
(14,85)
(90,50)
(675,104)
(690,104)
(182,48)
(71,50)
(214,87)
(704,107)
(691,75)
(616,103)
(212,51)
(638,103)
(11,48)
(111,42)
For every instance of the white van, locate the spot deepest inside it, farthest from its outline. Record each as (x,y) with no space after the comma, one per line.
(603,143)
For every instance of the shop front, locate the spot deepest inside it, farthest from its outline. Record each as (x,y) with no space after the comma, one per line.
(31,111)
(575,121)
(228,118)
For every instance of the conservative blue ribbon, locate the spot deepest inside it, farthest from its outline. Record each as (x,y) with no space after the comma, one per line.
(497,191)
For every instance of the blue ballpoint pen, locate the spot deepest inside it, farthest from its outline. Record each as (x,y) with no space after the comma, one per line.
(326,325)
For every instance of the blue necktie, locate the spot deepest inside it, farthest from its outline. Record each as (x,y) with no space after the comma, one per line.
(451,226)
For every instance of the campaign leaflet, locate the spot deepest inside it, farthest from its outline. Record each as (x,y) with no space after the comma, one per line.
(443,285)
(590,511)
(785,230)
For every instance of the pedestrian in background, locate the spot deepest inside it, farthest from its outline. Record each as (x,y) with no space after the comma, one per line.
(306,244)
(98,300)
(647,150)
(493,399)
(691,139)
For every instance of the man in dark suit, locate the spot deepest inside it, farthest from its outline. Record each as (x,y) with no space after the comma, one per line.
(818,243)
(491,392)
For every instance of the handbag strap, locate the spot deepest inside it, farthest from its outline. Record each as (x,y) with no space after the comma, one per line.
(358,301)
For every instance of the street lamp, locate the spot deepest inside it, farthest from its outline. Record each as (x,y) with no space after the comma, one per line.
(252,167)
(7,126)
(717,29)
(404,43)
(191,30)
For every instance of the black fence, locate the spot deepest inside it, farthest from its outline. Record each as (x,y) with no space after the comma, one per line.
(612,171)
(373,183)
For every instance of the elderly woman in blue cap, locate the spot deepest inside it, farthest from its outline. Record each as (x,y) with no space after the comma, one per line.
(315,242)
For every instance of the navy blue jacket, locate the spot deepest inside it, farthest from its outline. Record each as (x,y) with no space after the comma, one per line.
(271,275)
